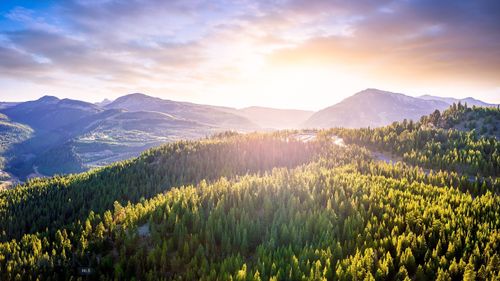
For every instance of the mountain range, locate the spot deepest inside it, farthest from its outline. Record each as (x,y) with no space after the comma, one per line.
(204,114)
(375,108)
(469,101)
(51,135)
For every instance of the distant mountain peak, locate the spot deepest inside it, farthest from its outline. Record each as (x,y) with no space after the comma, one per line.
(469,100)
(134,100)
(104,102)
(48,99)
(372,92)
(203,114)
(373,107)
(136,96)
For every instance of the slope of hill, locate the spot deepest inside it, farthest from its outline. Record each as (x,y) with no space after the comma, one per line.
(372,108)
(49,113)
(203,114)
(469,101)
(327,212)
(439,141)
(154,171)
(124,134)
(71,136)
(11,133)
(272,118)
(482,120)
(4,105)
(52,120)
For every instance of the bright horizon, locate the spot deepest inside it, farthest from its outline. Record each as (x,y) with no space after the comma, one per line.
(213,104)
(291,54)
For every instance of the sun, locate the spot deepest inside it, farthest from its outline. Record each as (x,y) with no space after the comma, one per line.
(302,85)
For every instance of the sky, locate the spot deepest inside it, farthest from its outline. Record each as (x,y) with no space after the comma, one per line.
(306,54)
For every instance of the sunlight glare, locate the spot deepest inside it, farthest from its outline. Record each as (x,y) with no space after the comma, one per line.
(286,86)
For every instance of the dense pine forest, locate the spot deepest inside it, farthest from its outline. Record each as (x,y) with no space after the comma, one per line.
(409,201)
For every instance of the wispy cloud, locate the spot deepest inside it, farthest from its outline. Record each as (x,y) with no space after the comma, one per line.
(194,47)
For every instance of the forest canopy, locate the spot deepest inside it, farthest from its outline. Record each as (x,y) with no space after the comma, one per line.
(271,206)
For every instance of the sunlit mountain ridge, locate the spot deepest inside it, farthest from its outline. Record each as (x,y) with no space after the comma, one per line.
(73,136)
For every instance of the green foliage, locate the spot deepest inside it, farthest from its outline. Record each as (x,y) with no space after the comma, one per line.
(440,149)
(62,159)
(482,119)
(51,203)
(309,222)
(267,207)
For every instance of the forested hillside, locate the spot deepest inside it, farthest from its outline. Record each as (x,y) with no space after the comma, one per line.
(431,144)
(59,201)
(483,120)
(282,206)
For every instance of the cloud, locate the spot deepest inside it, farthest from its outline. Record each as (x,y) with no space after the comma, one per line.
(416,40)
(122,44)
(16,62)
